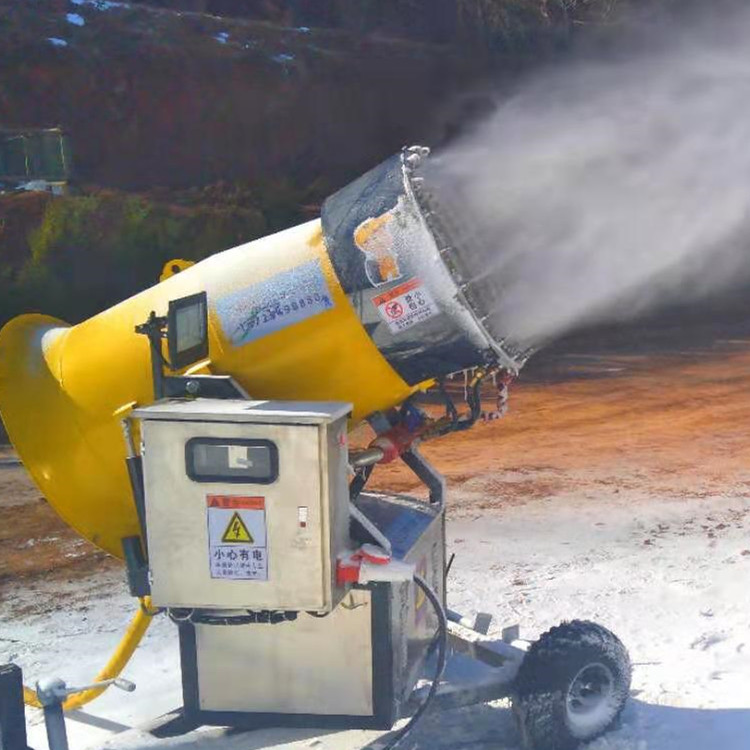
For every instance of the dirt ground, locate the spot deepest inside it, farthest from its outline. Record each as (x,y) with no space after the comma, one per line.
(674,424)
(667,424)
(34,542)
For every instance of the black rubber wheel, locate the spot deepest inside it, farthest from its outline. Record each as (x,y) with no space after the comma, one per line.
(572,686)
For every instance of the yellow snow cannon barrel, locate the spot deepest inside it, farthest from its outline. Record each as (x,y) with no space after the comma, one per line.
(364,305)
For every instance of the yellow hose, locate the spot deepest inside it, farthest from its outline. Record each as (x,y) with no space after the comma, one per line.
(125,649)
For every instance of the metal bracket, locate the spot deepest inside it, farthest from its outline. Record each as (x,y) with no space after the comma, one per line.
(511,634)
(490,652)
(137,566)
(451,695)
(504,662)
(52,694)
(481,623)
(205,386)
(12,719)
(429,476)
(155,330)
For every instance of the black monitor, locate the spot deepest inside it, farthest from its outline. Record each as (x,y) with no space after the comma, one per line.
(187,330)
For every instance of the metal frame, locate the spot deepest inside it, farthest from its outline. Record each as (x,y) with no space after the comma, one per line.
(501,657)
(504,658)
(156,328)
(12,718)
(24,134)
(443,224)
(385,708)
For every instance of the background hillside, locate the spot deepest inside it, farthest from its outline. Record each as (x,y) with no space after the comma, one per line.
(199,124)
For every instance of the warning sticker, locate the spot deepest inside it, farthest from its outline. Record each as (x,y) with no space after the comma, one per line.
(237,532)
(237,546)
(405,306)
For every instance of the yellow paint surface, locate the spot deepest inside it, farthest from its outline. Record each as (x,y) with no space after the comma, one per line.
(63,389)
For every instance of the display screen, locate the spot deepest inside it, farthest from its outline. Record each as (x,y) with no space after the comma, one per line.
(187,330)
(232,460)
(190,327)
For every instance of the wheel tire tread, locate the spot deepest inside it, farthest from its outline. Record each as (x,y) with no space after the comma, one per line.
(546,671)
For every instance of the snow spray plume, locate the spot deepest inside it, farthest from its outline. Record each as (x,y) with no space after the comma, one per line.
(604,189)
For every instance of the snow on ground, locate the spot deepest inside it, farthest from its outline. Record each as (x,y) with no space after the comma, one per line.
(669,576)
(75,640)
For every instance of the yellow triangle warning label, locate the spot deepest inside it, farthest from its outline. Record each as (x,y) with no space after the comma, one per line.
(237,532)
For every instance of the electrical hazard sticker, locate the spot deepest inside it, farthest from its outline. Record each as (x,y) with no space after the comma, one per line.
(237,539)
(237,532)
(405,305)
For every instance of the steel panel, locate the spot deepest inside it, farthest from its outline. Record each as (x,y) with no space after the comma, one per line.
(299,558)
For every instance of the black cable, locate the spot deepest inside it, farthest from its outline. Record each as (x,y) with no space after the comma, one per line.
(441,638)
(265,617)
(450,408)
(449,565)
(474,401)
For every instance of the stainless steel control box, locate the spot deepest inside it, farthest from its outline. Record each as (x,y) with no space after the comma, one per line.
(356,667)
(246,503)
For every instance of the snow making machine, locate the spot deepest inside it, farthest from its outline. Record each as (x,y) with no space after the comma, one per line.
(200,431)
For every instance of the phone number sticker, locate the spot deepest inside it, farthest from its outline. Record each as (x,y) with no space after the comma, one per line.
(274,304)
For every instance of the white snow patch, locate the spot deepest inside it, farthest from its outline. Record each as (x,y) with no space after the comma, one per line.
(222,37)
(283,57)
(75,19)
(57,42)
(668,576)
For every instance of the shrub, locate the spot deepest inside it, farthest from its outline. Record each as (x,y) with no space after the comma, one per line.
(91,251)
